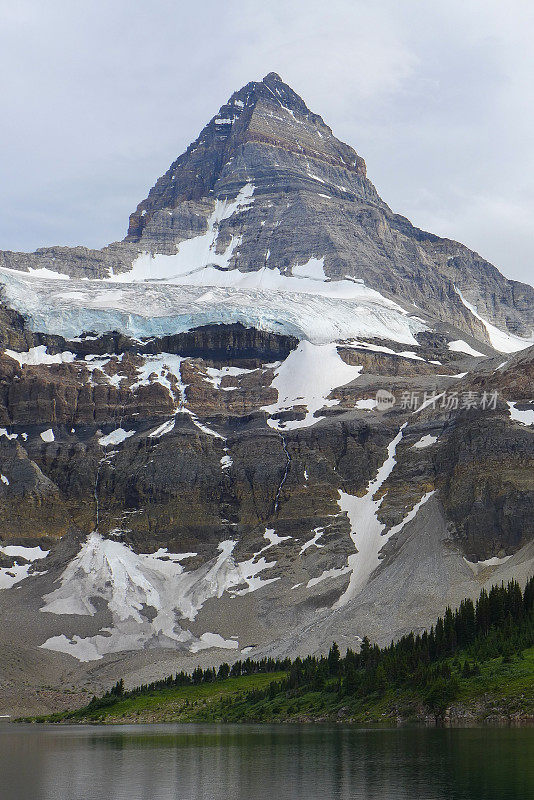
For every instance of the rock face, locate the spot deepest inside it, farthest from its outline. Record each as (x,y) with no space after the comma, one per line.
(225,443)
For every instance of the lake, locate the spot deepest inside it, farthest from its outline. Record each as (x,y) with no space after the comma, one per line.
(267,762)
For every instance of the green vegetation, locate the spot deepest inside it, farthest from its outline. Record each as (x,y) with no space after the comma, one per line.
(479,658)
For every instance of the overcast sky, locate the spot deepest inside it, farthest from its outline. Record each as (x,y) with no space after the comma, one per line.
(98,97)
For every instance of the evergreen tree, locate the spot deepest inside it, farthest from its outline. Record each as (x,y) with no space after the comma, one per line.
(334,659)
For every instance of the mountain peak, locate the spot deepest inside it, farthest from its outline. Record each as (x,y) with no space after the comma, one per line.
(311,199)
(272,77)
(264,133)
(271,90)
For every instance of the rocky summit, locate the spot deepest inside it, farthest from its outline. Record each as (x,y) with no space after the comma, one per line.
(276,414)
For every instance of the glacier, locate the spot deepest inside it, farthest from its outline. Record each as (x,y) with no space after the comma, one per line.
(167,294)
(154,308)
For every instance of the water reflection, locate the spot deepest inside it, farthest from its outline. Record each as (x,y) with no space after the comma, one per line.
(264,763)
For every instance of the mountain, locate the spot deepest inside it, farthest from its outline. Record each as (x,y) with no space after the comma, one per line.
(274,415)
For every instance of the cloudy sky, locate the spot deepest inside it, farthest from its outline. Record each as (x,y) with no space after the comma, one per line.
(99,96)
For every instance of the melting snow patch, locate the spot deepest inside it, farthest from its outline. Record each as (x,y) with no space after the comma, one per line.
(9,576)
(335,572)
(500,340)
(226,461)
(38,355)
(161,430)
(525,417)
(378,348)
(28,553)
(215,376)
(425,441)
(3,432)
(273,539)
(4,480)
(478,566)
(205,429)
(314,541)
(163,553)
(160,367)
(431,401)
(115,437)
(208,640)
(48,435)
(131,582)
(459,346)
(366,405)
(367,532)
(196,253)
(307,377)
(50,274)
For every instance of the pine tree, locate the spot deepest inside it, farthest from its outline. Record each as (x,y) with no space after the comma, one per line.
(334,659)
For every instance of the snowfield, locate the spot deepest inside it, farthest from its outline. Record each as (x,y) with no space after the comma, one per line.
(132,583)
(306,378)
(525,416)
(459,346)
(9,576)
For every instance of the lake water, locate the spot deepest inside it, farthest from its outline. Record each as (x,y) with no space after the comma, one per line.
(268,762)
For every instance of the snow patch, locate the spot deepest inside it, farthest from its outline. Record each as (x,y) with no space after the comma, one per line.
(49,274)
(459,346)
(425,441)
(525,417)
(129,583)
(366,404)
(28,553)
(313,542)
(306,377)
(478,566)
(9,576)
(38,355)
(367,532)
(115,437)
(502,341)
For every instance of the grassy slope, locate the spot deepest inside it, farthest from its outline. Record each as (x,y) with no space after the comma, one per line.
(184,704)
(501,688)
(504,689)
